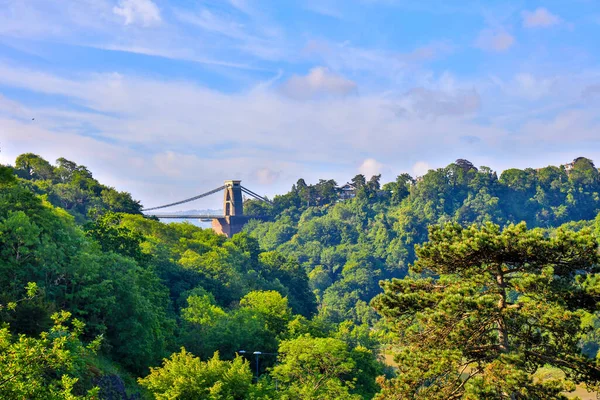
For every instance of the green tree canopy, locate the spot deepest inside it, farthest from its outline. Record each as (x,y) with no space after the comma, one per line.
(185,377)
(32,166)
(48,367)
(484,308)
(272,306)
(315,369)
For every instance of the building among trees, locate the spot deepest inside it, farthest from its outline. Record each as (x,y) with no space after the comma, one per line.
(347,191)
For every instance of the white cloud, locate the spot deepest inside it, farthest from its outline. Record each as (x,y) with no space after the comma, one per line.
(20,19)
(370,167)
(267,176)
(495,40)
(208,21)
(143,12)
(591,91)
(579,126)
(540,18)
(165,139)
(243,6)
(377,62)
(13,108)
(528,86)
(252,34)
(319,81)
(420,168)
(434,103)
(323,8)
(174,165)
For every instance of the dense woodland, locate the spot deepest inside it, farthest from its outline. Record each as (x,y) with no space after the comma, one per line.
(481,286)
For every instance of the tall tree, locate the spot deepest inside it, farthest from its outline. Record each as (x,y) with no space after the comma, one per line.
(316,369)
(466,165)
(7,176)
(359,181)
(485,308)
(47,367)
(186,377)
(32,166)
(64,170)
(400,188)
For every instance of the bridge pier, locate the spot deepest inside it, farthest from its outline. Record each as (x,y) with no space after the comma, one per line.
(229,225)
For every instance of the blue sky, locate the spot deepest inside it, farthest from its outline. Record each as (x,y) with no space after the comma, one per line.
(168,98)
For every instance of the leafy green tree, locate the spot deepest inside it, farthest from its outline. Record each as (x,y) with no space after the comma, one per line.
(519,189)
(272,306)
(290,274)
(120,202)
(239,329)
(374,185)
(202,310)
(484,308)
(218,271)
(185,377)
(32,166)
(304,192)
(48,367)
(584,172)
(31,291)
(258,208)
(315,368)
(465,165)
(65,170)
(399,189)
(72,187)
(113,236)
(36,245)
(325,191)
(359,181)
(124,302)
(7,176)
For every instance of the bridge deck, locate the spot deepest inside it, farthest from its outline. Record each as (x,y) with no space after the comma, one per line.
(184,216)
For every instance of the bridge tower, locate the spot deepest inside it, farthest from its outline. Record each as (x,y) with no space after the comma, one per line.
(233,204)
(233,208)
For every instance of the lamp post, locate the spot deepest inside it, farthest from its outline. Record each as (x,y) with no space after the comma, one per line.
(257,354)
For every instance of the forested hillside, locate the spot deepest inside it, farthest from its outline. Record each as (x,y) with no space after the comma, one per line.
(346,247)
(98,301)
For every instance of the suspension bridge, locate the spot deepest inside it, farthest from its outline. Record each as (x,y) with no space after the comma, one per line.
(233,219)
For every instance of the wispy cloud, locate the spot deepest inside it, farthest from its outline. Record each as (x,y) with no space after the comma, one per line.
(179,54)
(269,91)
(140,27)
(539,18)
(392,65)
(435,103)
(591,91)
(144,12)
(260,129)
(325,8)
(260,40)
(370,167)
(319,81)
(210,22)
(495,40)
(19,19)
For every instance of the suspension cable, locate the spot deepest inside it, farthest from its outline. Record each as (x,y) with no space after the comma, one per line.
(186,200)
(252,195)
(256,196)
